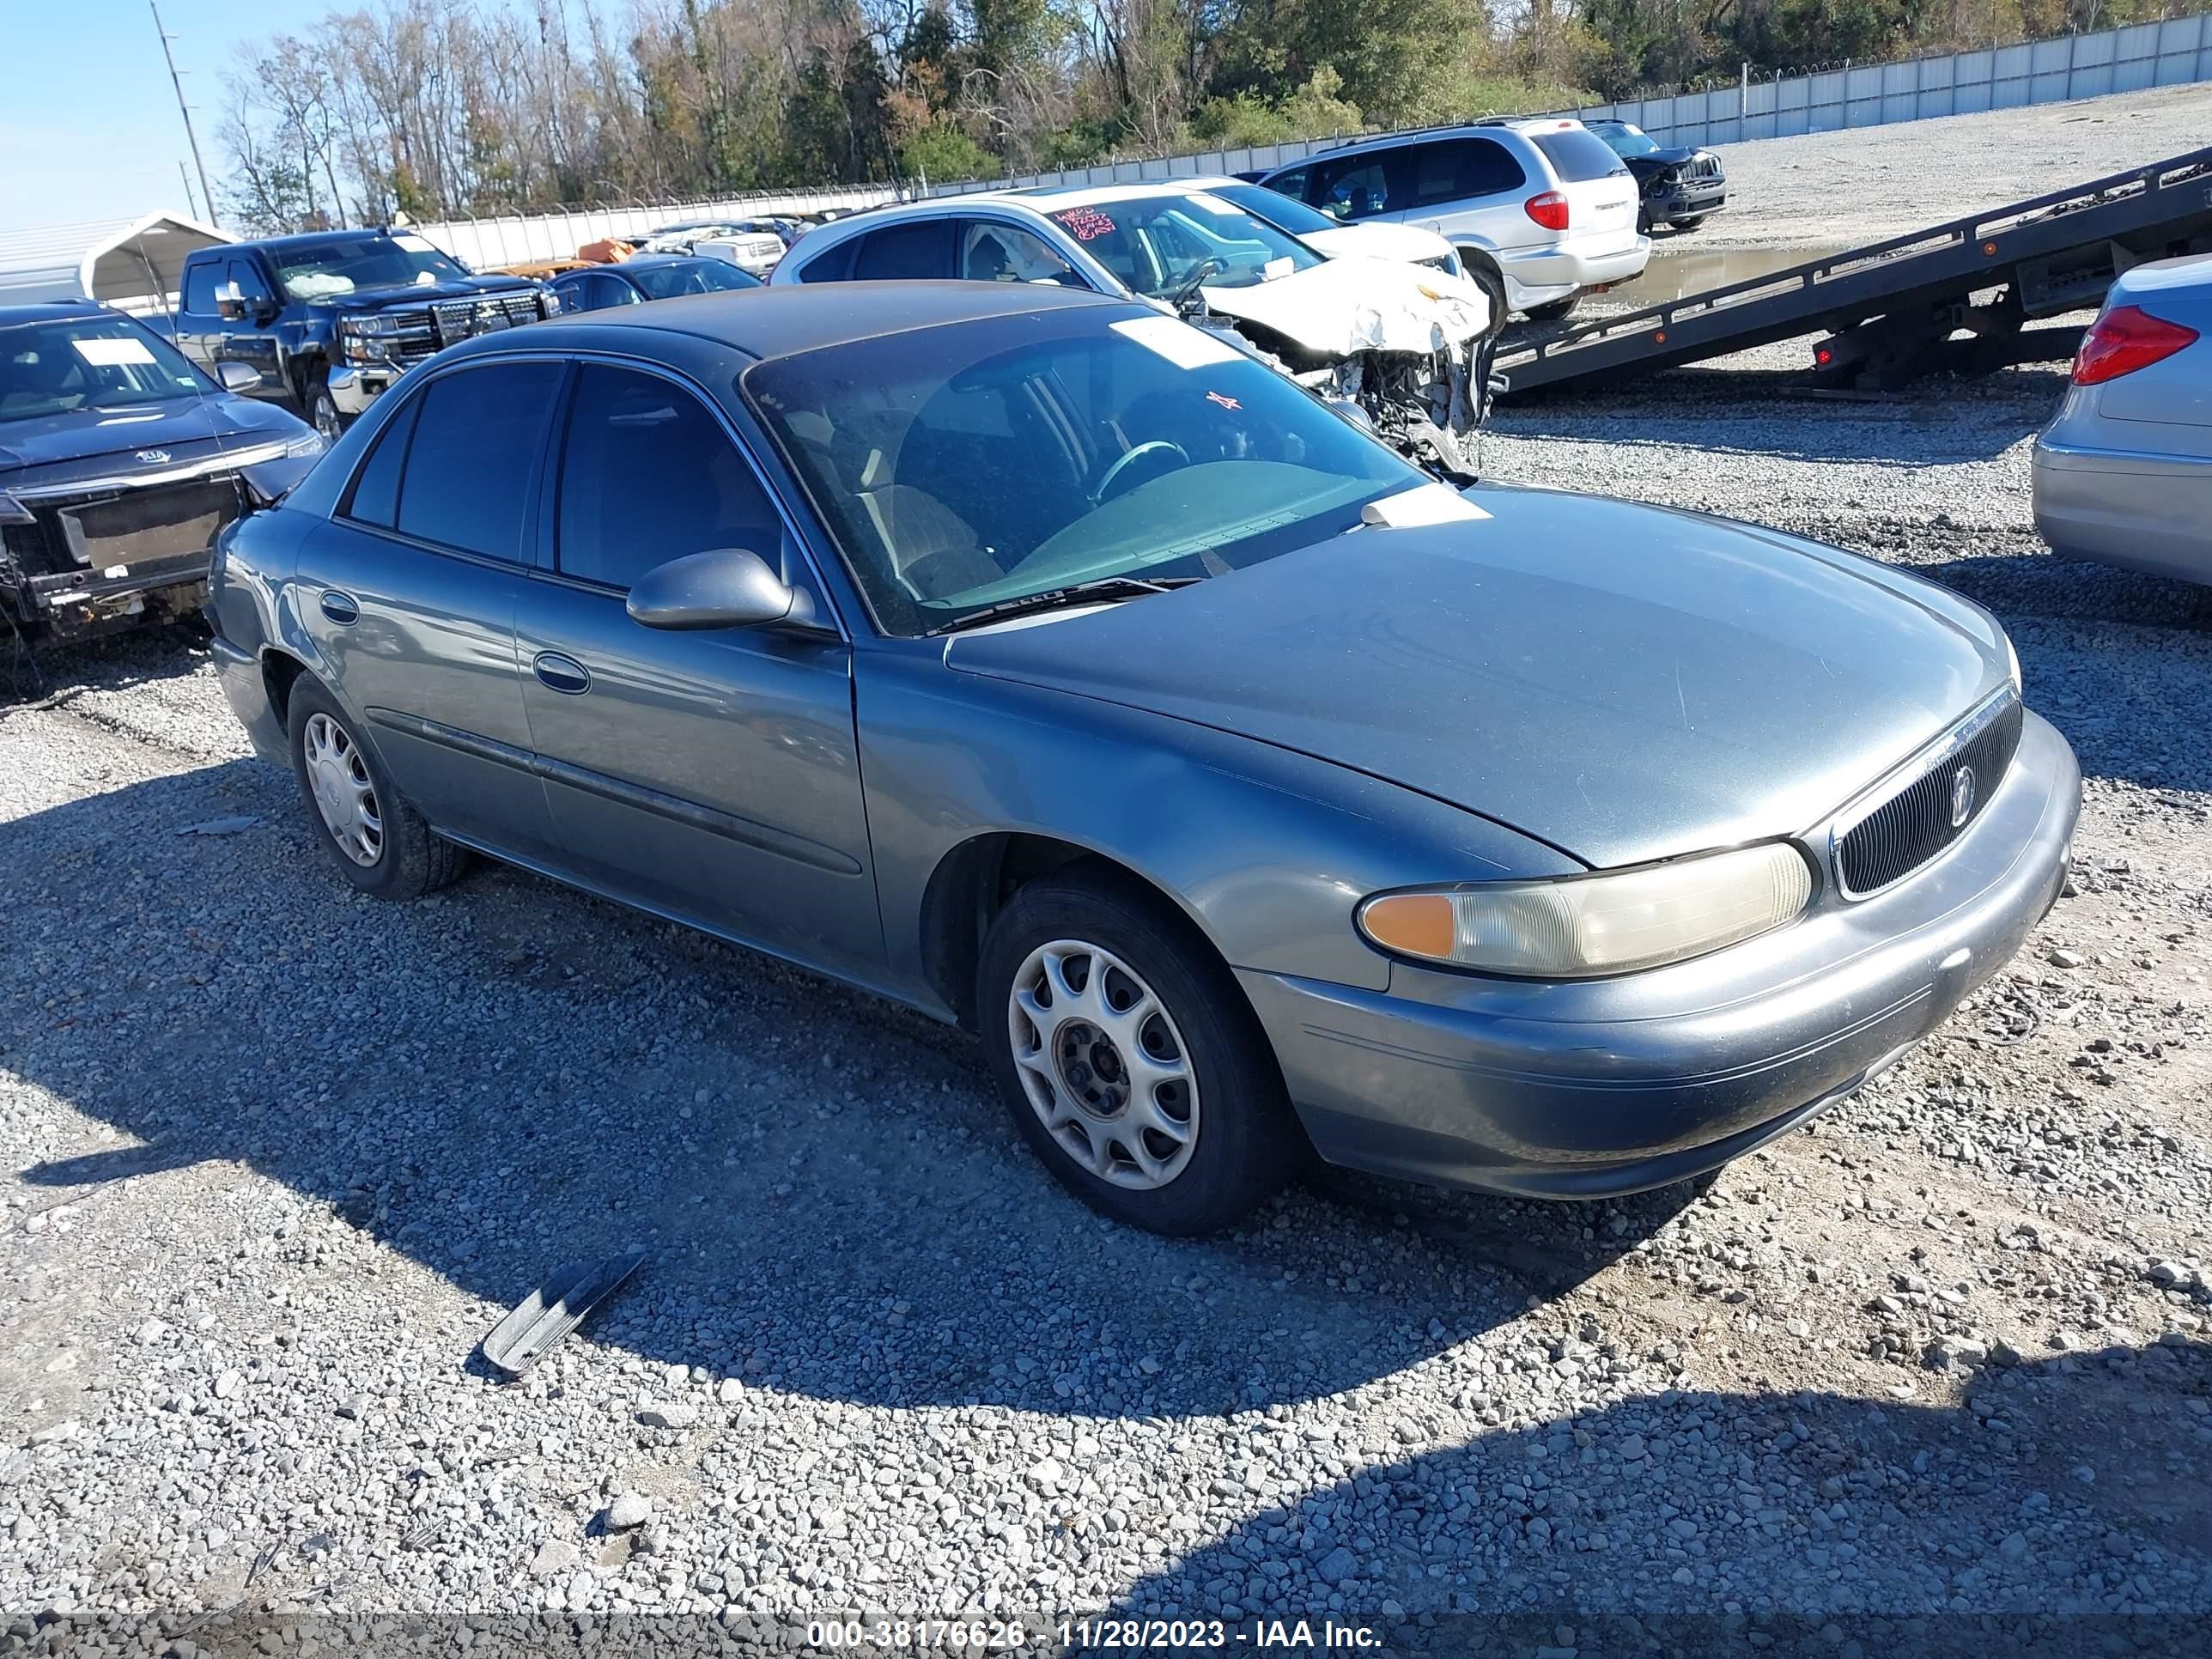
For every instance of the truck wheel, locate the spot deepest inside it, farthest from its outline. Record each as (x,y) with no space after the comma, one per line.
(323,413)
(1558,311)
(1128,1057)
(375,835)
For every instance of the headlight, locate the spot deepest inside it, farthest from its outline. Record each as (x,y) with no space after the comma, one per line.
(552,301)
(366,339)
(1587,926)
(311,444)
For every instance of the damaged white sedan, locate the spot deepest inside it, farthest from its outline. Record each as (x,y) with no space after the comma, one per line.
(1401,348)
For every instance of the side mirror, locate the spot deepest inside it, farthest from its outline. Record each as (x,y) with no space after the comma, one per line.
(727,587)
(237,376)
(229,303)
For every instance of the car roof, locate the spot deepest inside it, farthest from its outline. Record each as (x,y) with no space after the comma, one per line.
(651,262)
(305,238)
(775,322)
(1050,198)
(47,311)
(1520,128)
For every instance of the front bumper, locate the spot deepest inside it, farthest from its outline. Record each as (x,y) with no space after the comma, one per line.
(2130,508)
(355,387)
(1692,201)
(1599,1087)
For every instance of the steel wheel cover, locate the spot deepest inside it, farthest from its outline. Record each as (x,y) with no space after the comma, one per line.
(1102,1064)
(338,780)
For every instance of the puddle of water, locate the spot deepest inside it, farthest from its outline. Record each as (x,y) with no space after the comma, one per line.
(1675,272)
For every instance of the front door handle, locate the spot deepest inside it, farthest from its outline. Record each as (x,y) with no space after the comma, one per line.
(562,674)
(340,608)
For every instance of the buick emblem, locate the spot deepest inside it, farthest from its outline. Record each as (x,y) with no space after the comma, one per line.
(153,457)
(1962,795)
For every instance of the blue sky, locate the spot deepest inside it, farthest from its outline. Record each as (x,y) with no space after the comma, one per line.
(89,124)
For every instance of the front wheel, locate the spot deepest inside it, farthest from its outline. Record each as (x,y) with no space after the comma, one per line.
(379,842)
(1690,223)
(1558,311)
(1129,1059)
(323,413)
(1486,276)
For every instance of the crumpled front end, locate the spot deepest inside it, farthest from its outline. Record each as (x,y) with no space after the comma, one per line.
(1406,348)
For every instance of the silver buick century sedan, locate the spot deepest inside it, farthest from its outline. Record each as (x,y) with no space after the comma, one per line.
(1045,664)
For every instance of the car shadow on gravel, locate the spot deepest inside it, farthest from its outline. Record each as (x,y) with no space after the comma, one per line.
(510,1076)
(155,651)
(2071,1486)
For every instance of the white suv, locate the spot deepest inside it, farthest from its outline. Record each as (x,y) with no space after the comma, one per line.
(1540,210)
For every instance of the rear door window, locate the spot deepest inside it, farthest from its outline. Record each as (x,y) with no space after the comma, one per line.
(832,264)
(475,450)
(920,250)
(1577,155)
(1290,182)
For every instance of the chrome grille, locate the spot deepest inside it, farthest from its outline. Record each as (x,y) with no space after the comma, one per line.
(1704,167)
(463,320)
(1890,842)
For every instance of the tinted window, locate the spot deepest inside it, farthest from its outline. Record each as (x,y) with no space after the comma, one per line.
(648,475)
(1577,155)
(1291,182)
(469,467)
(992,252)
(692,276)
(1355,188)
(833,265)
(376,490)
(601,291)
(920,252)
(1455,170)
(199,290)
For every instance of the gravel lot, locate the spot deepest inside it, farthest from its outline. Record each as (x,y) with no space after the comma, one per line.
(278,1158)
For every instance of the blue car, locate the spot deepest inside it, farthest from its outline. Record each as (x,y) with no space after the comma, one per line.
(647,277)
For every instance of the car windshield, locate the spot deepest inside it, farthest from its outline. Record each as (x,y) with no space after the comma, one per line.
(965,466)
(316,271)
(52,367)
(1625,140)
(1284,212)
(693,276)
(1156,244)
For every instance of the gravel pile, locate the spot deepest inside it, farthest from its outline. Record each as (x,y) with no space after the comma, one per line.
(280,1157)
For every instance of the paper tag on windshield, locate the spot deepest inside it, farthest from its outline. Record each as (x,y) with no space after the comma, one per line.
(1275,269)
(1179,343)
(1428,503)
(110,354)
(415,244)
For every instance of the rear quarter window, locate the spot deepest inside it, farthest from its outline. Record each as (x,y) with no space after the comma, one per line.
(1577,155)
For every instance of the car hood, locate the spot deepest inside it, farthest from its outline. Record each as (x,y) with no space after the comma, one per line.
(1345,306)
(1379,239)
(1645,165)
(45,449)
(1622,682)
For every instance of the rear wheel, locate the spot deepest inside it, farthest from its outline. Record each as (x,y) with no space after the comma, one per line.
(1129,1059)
(1558,311)
(379,842)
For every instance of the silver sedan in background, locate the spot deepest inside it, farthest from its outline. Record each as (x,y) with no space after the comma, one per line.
(2123,473)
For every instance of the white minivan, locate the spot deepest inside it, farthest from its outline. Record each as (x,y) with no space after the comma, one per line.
(1540,210)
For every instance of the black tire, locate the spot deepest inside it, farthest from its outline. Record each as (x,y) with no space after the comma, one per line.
(1247,1143)
(1558,311)
(412,858)
(1690,223)
(1486,276)
(321,410)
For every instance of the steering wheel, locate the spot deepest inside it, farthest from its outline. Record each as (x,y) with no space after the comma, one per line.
(1099,496)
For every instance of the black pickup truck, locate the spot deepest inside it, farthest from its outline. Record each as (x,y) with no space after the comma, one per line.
(329,318)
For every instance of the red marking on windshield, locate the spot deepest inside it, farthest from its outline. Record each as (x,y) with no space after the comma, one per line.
(1086,224)
(1226,403)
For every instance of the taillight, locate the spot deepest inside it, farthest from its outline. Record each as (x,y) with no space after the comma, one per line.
(1549,210)
(2124,340)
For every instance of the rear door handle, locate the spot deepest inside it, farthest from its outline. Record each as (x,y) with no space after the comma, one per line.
(562,674)
(340,608)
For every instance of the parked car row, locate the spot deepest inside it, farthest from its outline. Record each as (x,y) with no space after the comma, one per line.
(1052,665)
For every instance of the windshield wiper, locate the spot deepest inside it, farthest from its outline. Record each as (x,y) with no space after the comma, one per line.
(1055,599)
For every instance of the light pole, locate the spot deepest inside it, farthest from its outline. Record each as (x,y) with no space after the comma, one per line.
(183,109)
